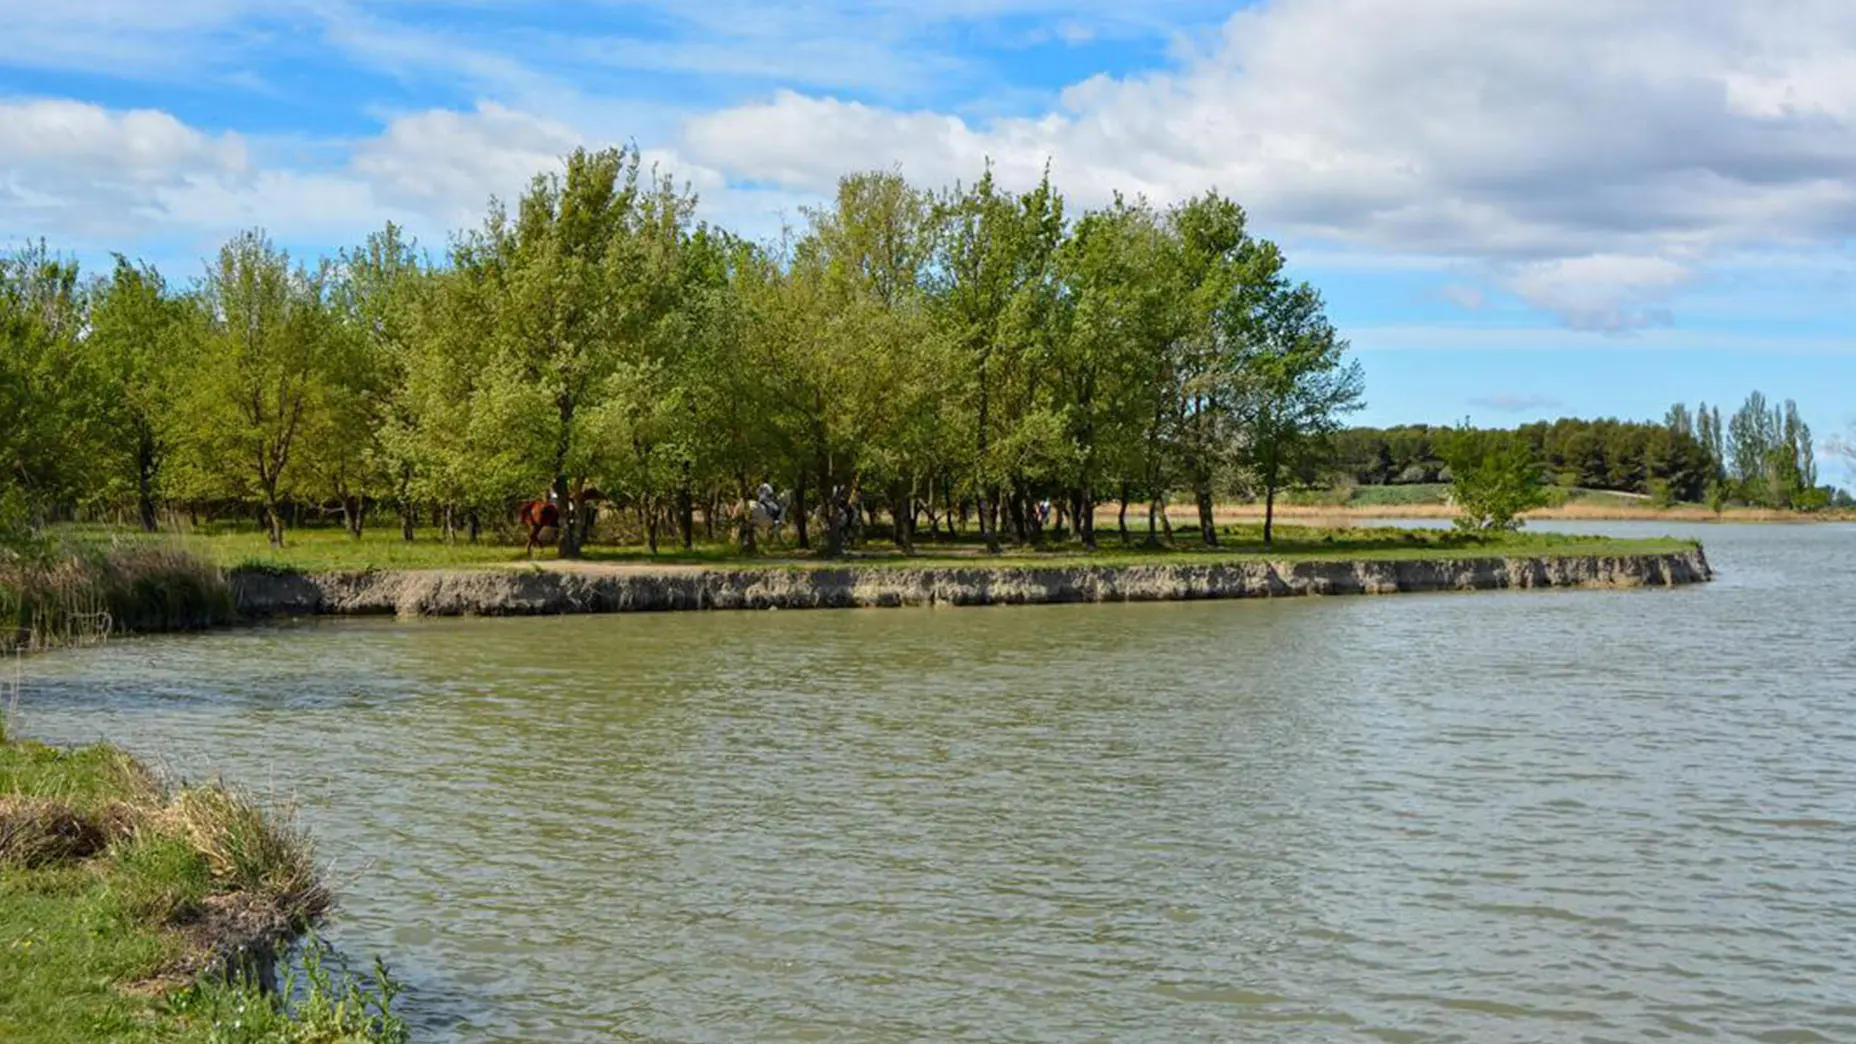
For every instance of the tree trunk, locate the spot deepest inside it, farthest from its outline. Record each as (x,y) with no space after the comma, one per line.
(353,515)
(1020,508)
(1166,525)
(408,514)
(801,524)
(1208,529)
(274,519)
(1121,517)
(988,530)
(473,524)
(570,510)
(145,482)
(1269,514)
(686,511)
(834,515)
(902,511)
(650,527)
(1154,515)
(273,516)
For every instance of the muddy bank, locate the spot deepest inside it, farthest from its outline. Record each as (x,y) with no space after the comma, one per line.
(507,592)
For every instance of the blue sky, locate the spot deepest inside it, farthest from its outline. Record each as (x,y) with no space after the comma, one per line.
(1515,210)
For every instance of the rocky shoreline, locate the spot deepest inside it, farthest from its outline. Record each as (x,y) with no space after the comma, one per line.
(514,592)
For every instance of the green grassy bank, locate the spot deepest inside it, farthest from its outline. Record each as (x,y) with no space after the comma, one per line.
(316,550)
(125,906)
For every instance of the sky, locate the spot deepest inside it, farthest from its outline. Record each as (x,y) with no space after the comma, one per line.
(1516,209)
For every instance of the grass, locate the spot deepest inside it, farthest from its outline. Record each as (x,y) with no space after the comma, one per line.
(124,907)
(1431,500)
(91,589)
(320,550)
(1240,543)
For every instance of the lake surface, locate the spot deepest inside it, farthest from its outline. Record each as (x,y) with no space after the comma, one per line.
(1491,817)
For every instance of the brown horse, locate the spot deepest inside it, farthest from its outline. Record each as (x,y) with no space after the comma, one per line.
(538,515)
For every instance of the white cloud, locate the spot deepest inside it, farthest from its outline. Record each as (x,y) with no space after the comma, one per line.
(1596,160)
(1468,298)
(449,163)
(72,168)
(1429,337)
(1590,156)
(1610,293)
(93,177)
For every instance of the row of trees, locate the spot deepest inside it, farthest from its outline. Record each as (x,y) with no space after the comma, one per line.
(966,351)
(1763,455)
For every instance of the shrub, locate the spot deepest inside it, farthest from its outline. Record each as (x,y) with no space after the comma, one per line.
(1496,480)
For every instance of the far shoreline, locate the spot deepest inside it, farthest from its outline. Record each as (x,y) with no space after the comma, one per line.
(1572,512)
(557,588)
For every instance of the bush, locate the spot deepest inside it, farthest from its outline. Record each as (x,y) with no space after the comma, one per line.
(1718,495)
(1497,480)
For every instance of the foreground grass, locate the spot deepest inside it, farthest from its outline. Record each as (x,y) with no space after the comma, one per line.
(121,904)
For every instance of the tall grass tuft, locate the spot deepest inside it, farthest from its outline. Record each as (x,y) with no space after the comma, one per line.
(83,596)
(37,832)
(260,852)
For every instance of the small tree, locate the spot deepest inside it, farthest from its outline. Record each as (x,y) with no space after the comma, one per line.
(135,349)
(260,372)
(1496,479)
(1292,385)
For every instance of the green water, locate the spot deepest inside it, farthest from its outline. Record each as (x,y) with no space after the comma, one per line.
(1530,816)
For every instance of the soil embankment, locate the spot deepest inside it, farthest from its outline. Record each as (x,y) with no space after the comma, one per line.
(593,589)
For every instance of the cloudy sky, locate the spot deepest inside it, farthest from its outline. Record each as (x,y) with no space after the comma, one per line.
(1516,208)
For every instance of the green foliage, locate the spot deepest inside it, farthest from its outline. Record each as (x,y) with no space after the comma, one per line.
(1717,496)
(1772,460)
(1662,494)
(1497,479)
(1292,388)
(968,353)
(318,1002)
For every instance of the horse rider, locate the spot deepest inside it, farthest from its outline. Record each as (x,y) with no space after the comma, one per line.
(768,502)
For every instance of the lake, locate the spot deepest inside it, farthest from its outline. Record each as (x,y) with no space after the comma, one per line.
(1487,817)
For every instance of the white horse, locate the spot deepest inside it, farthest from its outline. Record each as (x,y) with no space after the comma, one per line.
(769,519)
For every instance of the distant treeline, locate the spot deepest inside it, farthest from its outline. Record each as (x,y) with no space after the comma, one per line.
(1762,455)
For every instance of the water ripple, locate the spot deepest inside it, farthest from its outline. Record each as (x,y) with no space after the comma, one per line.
(1536,816)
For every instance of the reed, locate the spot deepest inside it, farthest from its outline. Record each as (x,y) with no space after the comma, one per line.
(85,595)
